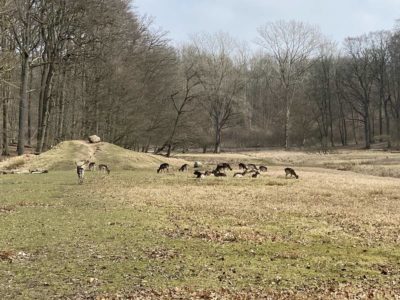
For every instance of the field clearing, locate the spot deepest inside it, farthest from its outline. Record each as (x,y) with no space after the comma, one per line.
(331,234)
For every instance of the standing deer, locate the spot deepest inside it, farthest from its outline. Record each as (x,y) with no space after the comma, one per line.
(80,170)
(291,172)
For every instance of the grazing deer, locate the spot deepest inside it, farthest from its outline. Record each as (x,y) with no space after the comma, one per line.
(92,166)
(223,167)
(263,169)
(252,166)
(184,168)
(291,172)
(163,167)
(104,168)
(199,174)
(242,166)
(256,174)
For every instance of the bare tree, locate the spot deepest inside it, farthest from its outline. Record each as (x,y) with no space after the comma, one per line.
(25,30)
(220,65)
(292,45)
(360,79)
(394,82)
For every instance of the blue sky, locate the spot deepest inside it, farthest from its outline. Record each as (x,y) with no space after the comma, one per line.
(337,19)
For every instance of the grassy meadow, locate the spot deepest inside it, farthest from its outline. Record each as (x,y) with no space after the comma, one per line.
(136,234)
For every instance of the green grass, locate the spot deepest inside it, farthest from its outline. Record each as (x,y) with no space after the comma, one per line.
(136,230)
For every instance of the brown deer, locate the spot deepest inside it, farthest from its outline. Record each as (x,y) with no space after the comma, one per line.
(92,166)
(252,166)
(291,172)
(80,170)
(104,168)
(218,173)
(184,168)
(263,169)
(242,166)
(223,167)
(163,167)
(199,174)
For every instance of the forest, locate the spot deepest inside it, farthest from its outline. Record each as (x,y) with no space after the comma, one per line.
(70,69)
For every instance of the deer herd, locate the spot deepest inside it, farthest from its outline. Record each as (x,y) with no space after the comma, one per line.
(81,166)
(249,170)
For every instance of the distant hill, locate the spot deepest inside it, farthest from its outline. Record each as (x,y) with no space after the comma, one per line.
(65,155)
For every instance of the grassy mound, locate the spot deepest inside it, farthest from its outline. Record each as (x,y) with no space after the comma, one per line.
(67,153)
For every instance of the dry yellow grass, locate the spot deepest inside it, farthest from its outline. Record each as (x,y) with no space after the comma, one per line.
(64,156)
(329,234)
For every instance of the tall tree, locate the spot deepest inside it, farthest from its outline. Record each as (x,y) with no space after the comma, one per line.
(360,79)
(25,30)
(220,70)
(292,45)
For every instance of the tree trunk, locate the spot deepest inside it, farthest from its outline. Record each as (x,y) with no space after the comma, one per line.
(41,106)
(217,146)
(30,109)
(367,129)
(61,109)
(330,121)
(23,103)
(169,150)
(387,121)
(287,118)
(46,110)
(380,118)
(354,127)
(5,151)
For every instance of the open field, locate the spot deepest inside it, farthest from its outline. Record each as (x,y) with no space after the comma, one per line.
(135,233)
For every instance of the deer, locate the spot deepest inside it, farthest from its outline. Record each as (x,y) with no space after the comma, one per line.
(104,168)
(262,168)
(92,166)
(80,170)
(242,166)
(218,173)
(199,174)
(184,168)
(252,166)
(223,167)
(291,172)
(163,167)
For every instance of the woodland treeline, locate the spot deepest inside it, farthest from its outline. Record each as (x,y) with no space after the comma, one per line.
(73,68)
